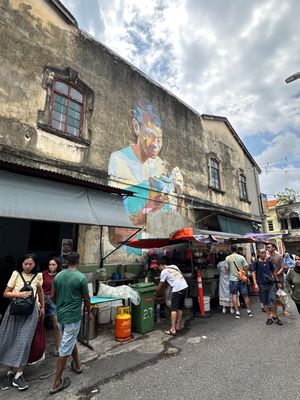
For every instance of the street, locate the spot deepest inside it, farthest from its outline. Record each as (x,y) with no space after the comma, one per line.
(223,358)
(214,358)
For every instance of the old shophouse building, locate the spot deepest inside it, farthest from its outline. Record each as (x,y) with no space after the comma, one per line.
(87,141)
(284,219)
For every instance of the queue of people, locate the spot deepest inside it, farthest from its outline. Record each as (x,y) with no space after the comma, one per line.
(270,273)
(58,294)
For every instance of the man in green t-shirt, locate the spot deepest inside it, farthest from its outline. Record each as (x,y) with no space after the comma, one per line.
(233,263)
(69,290)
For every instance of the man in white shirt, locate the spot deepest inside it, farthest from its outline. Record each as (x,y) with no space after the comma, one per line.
(172,275)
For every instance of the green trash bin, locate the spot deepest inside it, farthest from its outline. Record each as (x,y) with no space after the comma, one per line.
(143,314)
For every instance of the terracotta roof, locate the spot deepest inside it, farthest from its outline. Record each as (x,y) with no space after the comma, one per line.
(272,203)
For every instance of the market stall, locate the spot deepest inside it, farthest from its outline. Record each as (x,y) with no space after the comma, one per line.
(194,250)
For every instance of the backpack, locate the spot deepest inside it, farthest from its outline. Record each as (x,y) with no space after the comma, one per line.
(20,306)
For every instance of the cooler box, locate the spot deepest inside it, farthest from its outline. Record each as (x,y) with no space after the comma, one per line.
(143,314)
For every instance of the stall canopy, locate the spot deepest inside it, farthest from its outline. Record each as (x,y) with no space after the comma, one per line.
(180,236)
(40,199)
(199,236)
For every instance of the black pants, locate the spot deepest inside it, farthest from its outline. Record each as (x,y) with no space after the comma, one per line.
(298,307)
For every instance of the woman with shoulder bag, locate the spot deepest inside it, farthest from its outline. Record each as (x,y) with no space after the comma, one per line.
(19,322)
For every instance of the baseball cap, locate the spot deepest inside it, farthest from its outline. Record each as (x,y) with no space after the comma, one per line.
(153,264)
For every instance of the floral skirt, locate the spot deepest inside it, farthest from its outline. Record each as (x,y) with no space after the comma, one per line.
(16,333)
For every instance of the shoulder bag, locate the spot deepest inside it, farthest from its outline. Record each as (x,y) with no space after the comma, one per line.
(25,307)
(240,272)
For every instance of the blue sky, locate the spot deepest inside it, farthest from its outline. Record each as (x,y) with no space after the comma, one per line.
(222,57)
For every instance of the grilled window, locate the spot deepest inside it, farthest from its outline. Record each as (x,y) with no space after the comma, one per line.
(270,225)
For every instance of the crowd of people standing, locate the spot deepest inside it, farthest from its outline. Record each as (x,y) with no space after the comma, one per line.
(271,274)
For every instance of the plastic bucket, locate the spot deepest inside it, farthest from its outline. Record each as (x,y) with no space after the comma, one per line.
(114,305)
(188,302)
(104,312)
(206,300)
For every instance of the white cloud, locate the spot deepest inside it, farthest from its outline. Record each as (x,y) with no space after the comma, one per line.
(280,164)
(226,57)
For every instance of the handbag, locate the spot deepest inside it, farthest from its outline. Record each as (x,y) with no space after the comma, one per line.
(240,273)
(25,307)
(38,344)
(269,280)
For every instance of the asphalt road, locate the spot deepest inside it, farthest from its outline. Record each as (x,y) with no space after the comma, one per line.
(219,358)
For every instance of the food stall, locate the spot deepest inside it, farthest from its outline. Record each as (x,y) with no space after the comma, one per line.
(193,249)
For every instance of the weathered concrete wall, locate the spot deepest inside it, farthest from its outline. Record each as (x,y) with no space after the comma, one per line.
(33,36)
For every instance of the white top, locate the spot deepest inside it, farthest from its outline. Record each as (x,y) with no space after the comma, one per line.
(174,277)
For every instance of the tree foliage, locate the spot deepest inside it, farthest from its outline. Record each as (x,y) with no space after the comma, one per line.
(288,196)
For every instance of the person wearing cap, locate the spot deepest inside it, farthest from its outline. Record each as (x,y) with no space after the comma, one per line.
(173,276)
(159,298)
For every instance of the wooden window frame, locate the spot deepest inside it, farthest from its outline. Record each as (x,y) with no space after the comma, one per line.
(214,169)
(70,78)
(243,188)
(68,97)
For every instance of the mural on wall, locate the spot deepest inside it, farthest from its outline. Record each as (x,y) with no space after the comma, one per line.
(139,167)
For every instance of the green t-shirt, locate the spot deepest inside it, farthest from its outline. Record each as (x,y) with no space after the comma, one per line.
(240,262)
(70,286)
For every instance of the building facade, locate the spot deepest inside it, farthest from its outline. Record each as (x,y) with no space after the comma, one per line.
(74,113)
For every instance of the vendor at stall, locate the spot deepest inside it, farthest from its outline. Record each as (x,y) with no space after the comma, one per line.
(159,298)
(173,276)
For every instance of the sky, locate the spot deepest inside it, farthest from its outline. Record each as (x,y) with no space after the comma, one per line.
(222,57)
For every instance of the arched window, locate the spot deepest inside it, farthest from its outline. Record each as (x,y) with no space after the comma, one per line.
(243,188)
(214,171)
(66,113)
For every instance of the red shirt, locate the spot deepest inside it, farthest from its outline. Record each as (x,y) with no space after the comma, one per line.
(47,282)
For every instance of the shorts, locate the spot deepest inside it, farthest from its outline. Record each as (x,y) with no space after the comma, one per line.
(177,300)
(238,286)
(50,307)
(267,294)
(69,333)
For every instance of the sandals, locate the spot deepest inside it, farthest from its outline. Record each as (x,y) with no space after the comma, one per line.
(74,369)
(65,382)
(169,332)
(269,321)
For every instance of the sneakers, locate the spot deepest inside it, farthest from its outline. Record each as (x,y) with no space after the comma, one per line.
(7,381)
(224,310)
(269,321)
(249,313)
(231,310)
(20,383)
(237,315)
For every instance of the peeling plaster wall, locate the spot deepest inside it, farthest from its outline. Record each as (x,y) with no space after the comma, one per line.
(33,35)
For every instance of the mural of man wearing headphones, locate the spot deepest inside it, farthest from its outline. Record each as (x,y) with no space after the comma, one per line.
(139,167)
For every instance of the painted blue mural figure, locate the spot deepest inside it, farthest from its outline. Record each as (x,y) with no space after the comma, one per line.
(139,168)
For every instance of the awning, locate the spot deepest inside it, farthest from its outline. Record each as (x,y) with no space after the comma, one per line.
(181,236)
(40,199)
(234,225)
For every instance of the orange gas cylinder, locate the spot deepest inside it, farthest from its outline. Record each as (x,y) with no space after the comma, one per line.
(123,324)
